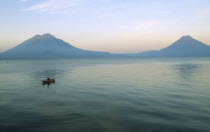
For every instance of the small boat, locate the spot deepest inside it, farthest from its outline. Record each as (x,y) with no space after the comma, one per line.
(48,81)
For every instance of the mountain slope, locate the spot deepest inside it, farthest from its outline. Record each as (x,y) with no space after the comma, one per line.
(186,46)
(47,46)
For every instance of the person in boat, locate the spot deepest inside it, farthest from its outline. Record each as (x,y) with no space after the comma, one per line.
(48,79)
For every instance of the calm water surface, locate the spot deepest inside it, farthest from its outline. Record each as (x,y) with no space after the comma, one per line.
(105,95)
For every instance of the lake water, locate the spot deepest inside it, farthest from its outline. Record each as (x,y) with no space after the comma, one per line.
(105,95)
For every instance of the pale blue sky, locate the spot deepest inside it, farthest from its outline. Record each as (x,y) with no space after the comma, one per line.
(117,26)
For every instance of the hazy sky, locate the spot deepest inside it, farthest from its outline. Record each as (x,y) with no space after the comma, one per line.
(117,26)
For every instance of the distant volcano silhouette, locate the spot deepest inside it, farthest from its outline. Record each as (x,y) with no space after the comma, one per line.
(186,46)
(48,46)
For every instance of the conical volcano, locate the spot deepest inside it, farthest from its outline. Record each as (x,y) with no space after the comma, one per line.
(186,46)
(48,46)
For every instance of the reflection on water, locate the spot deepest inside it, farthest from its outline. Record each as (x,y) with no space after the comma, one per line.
(187,70)
(105,95)
(47,83)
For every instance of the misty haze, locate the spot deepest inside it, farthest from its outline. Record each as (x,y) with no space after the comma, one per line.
(104,66)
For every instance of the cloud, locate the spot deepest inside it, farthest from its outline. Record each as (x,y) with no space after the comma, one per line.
(53,5)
